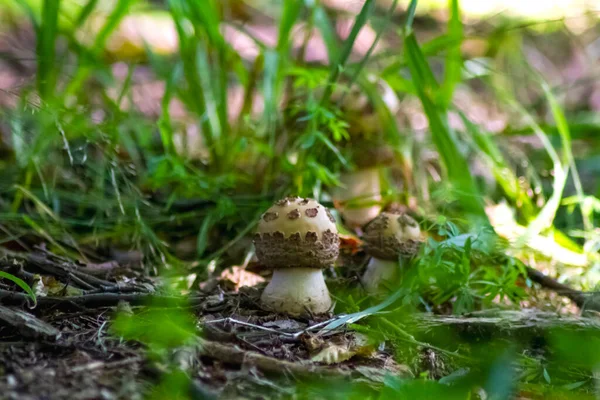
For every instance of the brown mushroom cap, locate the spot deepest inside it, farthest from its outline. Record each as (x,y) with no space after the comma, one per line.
(391,235)
(297,233)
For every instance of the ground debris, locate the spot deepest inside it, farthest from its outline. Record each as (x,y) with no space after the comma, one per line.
(27,324)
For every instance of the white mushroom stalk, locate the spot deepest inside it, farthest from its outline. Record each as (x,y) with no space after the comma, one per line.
(297,238)
(388,238)
(359,196)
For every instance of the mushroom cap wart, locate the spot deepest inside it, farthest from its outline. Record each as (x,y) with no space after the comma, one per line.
(297,233)
(391,235)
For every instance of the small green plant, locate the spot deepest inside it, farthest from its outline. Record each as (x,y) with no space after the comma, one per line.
(22,284)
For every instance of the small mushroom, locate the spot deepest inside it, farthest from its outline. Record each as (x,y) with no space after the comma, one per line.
(297,238)
(359,197)
(387,238)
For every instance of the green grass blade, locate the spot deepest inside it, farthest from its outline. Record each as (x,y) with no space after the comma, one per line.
(410,15)
(291,11)
(206,15)
(357,70)
(192,94)
(454,62)
(21,283)
(202,241)
(164,122)
(85,12)
(336,68)
(503,172)
(205,71)
(355,317)
(90,59)
(545,217)
(273,65)
(562,126)
(46,48)
(455,164)
(327,31)
(112,22)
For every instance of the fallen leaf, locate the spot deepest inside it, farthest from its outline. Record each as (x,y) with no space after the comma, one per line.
(333,354)
(49,286)
(342,349)
(350,244)
(240,277)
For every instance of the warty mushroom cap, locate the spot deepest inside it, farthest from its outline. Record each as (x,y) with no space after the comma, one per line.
(391,235)
(297,233)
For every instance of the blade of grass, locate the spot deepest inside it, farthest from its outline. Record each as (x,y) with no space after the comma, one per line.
(357,316)
(46,48)
(357,70)
(274,63)
(22,284)
(445,142)
(453,67)
(192,95)
(410,15)
(207,16)
(202,241)
(562,127)
(164,122)
(503,173)
(338,66)
(323,24)
(85,12)
(90,59)
(545,217)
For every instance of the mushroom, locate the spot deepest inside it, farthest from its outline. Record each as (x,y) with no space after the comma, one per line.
(297,238)
(387,238)
(358,198)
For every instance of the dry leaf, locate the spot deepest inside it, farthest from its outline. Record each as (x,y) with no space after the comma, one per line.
(240,277)
(355,344)
(333,354)
(350,243)
(49,286)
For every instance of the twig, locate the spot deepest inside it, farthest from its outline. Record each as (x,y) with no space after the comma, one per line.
(235,355)
(98,300)
(583,300)
(102,365)
(27,324)
(294,335)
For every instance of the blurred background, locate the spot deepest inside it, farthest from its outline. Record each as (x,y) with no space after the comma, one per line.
(155,133)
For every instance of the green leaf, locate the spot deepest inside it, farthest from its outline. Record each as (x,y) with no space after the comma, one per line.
(486,147)
(445,142)
(410,15)
(46,48)
(85,12)
(454,62)
(564,131)
(202,241)
(325,140)
(324,26)
(112,22)
(354,317)
(291,12)
(21,283)
(336,67)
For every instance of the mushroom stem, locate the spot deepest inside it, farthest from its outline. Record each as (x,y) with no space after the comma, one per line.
(377,272)
(360,190)
(296,290)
